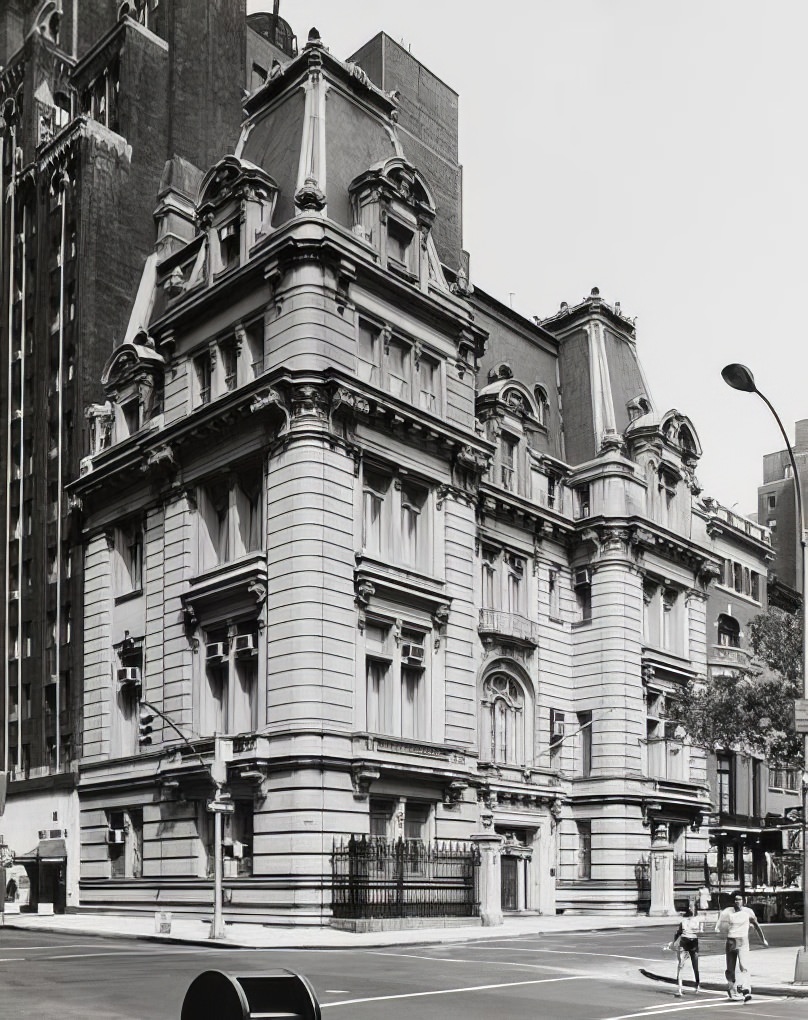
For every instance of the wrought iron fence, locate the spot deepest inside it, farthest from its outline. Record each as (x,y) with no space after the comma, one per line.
(375,878)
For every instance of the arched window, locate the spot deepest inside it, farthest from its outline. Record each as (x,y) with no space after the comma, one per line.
(502,736)
(729,631)
(542,406)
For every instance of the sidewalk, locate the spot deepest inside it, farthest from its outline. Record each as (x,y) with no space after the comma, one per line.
(772,972)
(257,936)
(772,969)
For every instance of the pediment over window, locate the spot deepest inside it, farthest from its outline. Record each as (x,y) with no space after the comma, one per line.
(507,397)
(132,363)
(234,179)
(133,384)
(396,180)
(671,430)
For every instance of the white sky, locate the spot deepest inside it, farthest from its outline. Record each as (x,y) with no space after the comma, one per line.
(653,148)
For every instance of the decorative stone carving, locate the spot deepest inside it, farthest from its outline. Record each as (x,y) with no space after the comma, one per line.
(258,590)
(709,572)
(440,618)
(161,458)
(268,398)
(472,460)
(365,590)
(362,776)
(442,493)
(461,286)
(309,197)
(352,401)
(453,793)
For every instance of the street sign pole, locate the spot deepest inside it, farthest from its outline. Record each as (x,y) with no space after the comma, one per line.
(218,806)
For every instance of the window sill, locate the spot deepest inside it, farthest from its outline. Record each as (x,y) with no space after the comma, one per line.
(577,624)
(128,596)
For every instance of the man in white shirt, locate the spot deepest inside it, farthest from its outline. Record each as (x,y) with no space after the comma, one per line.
(735,922)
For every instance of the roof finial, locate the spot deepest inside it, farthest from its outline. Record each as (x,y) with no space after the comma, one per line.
(314,38)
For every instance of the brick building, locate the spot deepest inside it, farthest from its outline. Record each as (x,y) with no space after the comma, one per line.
(96,111)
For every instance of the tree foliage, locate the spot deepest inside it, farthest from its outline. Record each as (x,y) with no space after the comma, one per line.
(753,710)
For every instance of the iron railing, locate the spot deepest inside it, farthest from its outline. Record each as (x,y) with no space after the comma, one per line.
(376,878)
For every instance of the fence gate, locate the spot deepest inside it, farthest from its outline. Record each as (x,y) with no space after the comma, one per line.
(373,877)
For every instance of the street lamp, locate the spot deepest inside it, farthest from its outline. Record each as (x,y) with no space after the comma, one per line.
(739,377)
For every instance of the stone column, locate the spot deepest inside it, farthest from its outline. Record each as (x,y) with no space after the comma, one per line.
(489,881)
(661,877)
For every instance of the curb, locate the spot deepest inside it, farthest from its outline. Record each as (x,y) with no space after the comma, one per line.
(795,991)
(231,943)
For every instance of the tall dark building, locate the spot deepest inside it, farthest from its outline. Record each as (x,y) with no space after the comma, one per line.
(101,102)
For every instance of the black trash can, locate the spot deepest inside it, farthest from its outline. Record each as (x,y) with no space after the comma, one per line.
(215,995)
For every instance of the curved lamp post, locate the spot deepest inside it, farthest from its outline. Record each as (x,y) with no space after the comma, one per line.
(740,378)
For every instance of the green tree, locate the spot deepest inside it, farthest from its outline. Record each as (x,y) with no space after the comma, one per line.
(754,710)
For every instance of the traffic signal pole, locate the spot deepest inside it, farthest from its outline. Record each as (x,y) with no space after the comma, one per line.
(221,804)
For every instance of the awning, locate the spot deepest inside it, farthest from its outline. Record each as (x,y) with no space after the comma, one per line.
(769,838)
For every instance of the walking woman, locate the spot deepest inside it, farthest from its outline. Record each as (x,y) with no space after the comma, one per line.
(686,943)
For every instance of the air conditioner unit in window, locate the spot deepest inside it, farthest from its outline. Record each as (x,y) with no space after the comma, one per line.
(216,652)
(518,566)
(128,676)
(115,837)
(412,653)
(244,646)
(581,576)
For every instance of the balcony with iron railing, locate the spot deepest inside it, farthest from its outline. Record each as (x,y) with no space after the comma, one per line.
(496,623)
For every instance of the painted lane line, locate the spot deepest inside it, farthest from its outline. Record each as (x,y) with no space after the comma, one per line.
(64,945)
(452,991)
(117,952)
(574,952)
(475,963)
(693,1005)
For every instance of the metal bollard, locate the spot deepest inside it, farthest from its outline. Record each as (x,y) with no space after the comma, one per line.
(215,995)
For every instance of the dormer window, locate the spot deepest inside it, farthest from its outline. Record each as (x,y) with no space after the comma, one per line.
(131,415)
(235,206)
(542,406)
(229,245)
(393,209)
(508,447)
(399,246)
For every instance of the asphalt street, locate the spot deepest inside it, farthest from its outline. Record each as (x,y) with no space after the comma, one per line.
(581,976)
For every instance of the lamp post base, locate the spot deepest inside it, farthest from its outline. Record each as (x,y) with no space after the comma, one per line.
(801,968)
